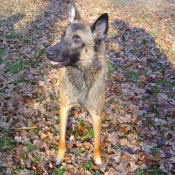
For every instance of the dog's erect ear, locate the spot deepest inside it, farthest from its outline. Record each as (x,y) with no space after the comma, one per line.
(73,12)
(100,27)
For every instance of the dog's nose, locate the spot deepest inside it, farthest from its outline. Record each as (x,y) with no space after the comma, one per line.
(50,52)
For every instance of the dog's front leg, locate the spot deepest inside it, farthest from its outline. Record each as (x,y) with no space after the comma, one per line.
(64,110)
(96,120)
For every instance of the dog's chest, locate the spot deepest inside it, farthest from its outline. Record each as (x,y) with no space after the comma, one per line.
(82,81)
(79,83)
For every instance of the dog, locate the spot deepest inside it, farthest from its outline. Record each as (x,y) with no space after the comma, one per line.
(80,56)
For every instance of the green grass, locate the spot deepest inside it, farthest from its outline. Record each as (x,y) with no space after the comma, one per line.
(154,110)
(155,151)
(96,173)
(133,51)
(150,171)
(88,135)
(58,121)
(58,171)
(54,147)
(16,67)
(1,51)
(165,83)
(88,165)
(156,90)
(6,144)
(37,159)
(112,68)
(10,36)
(153,34)
(81,122)
(132,76)
(36,131)
(151,122)
(30,147)
(54,96)
(123,106)
(19,80)
(2,169)
(140,172)
(172,51)
(144,41)
(26,41)
(118,146)
(80,152)
(155,171)
(23,156)
(138,20)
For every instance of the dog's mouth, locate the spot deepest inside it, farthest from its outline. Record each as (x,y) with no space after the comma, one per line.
(59,64)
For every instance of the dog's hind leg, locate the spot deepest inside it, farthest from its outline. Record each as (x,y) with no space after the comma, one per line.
(96,120)
(64,112)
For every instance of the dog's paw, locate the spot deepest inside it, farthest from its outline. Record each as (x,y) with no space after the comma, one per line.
(59,161)
(98,161)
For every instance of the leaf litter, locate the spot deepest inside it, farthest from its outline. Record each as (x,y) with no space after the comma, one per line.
(138,117)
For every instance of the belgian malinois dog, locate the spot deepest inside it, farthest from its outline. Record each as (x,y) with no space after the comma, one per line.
(80,55)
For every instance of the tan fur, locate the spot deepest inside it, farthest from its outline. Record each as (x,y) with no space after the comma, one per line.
(93,100)
(83,82)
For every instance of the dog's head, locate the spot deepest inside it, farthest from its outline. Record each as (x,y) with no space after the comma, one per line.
(79,41)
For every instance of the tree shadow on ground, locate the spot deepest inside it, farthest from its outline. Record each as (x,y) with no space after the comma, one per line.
(27,92)
(142,85)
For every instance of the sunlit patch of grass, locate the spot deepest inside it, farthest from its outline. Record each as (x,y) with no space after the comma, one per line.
(54,147)
(36,131)
(37,159)
(123,106)
(23,156)
(87,135)
(153,34)
(138,20)
(80,152)
(54,96)
(96,173)
(58,121)
(172,51)
(112,67)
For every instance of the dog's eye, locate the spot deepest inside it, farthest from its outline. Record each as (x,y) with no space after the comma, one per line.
(76,39)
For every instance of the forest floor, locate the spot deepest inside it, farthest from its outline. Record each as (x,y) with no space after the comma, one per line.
(138,131)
